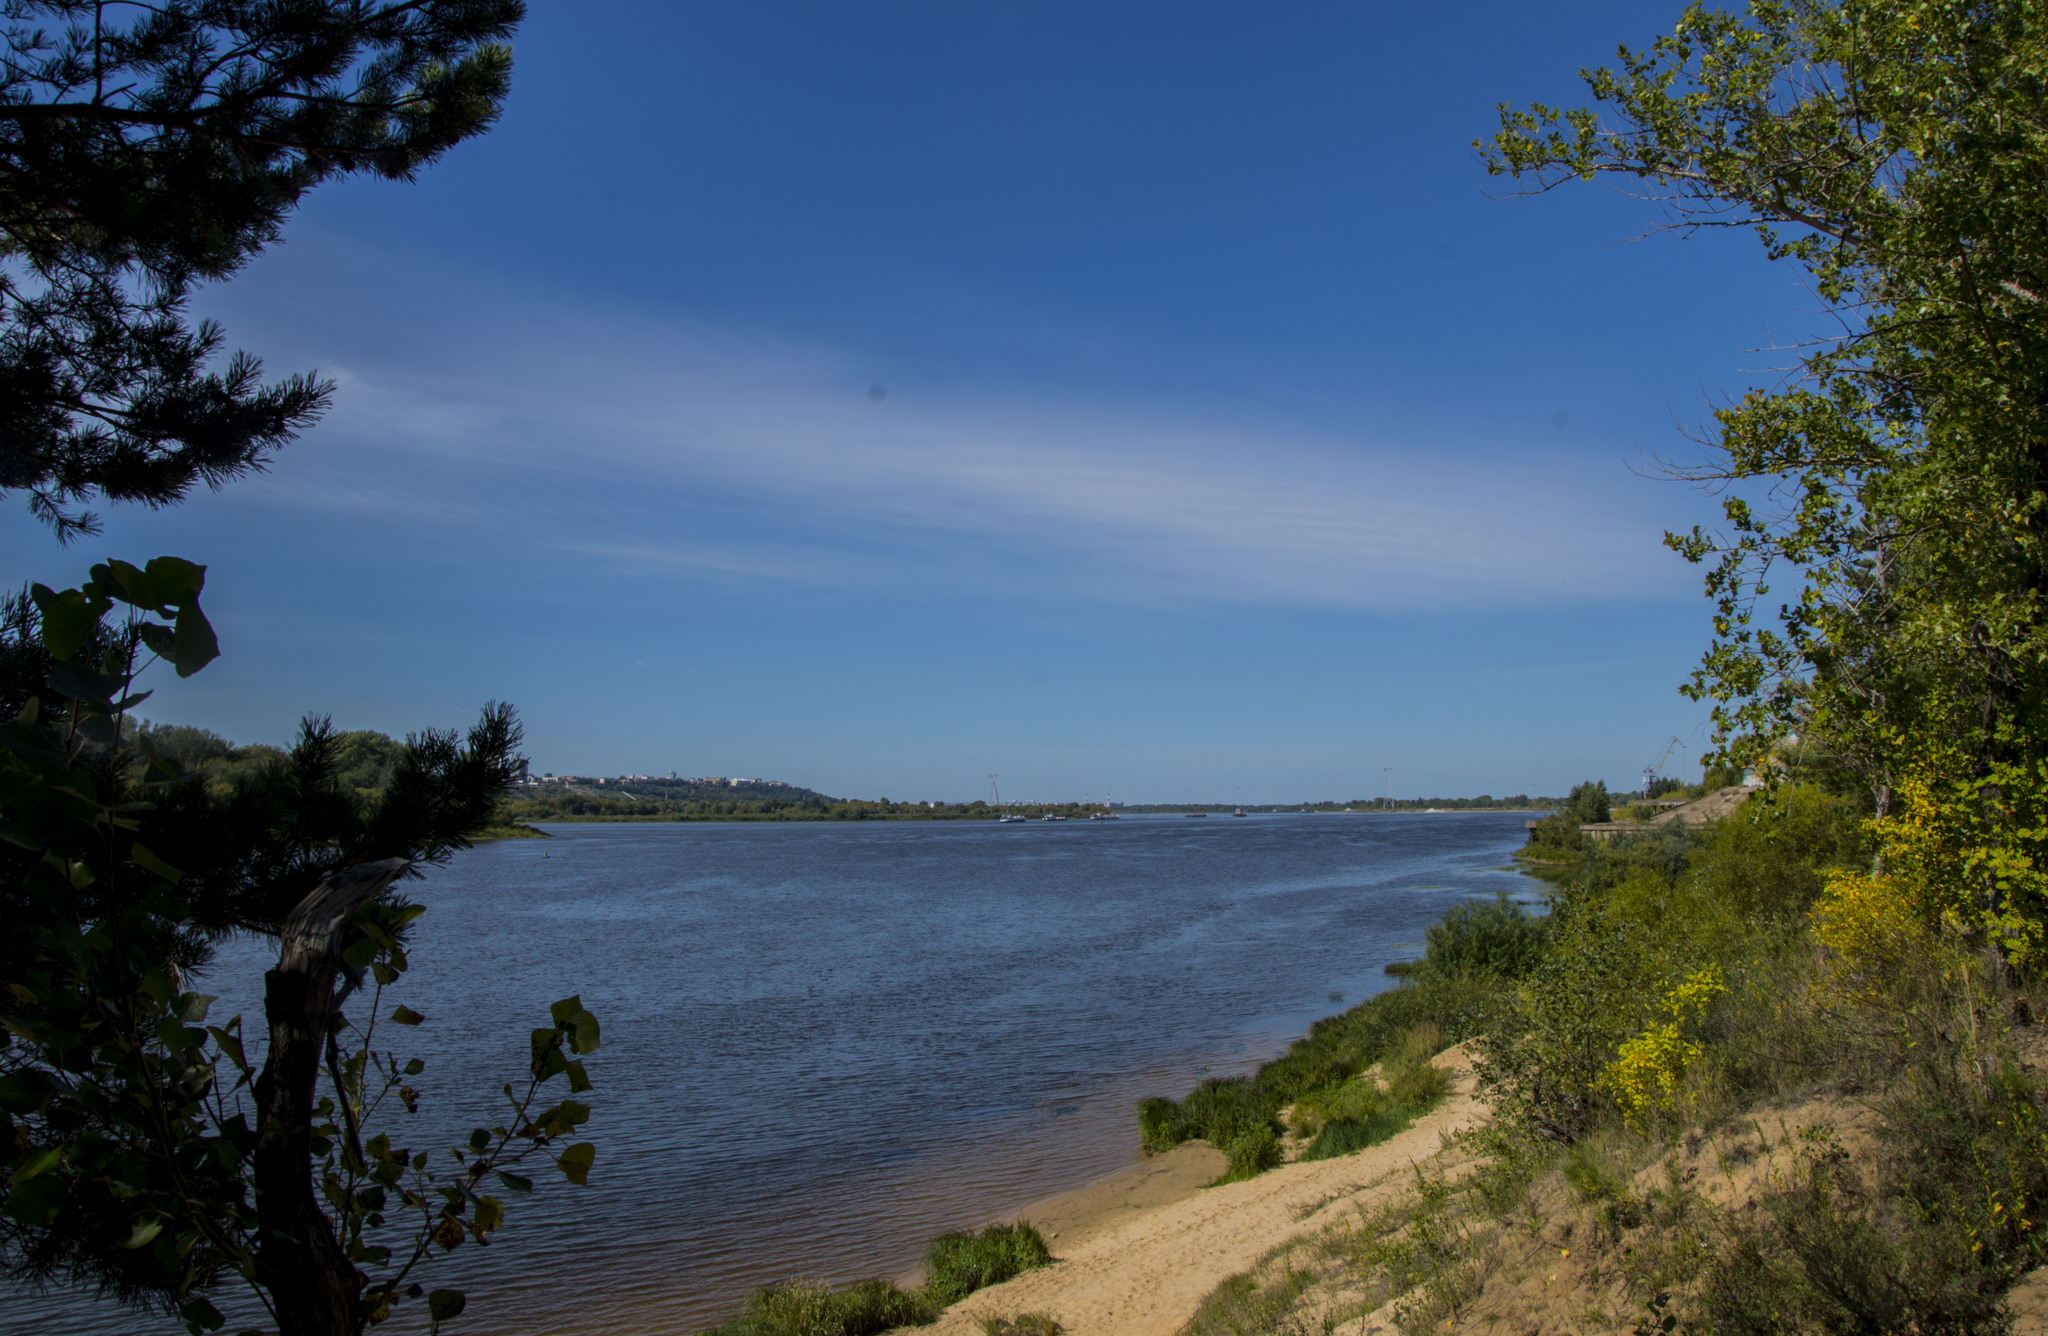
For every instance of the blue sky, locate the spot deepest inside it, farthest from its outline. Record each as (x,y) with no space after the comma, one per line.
(1145,398)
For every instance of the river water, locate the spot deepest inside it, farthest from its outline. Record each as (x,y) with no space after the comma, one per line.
(824,1043)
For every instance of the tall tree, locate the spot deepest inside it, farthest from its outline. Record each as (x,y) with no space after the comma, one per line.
(148,148)
(1897,151)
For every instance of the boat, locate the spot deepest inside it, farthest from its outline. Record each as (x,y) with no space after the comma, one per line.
(1194,814)
(995,800)
(1238,812)
(1050,816)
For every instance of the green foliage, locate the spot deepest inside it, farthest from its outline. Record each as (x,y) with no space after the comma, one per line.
(956,1265)
(1587,803)
(1251,1153)
(812,1308)
(1448,997)
(1831,1253)
(147,1154)
(1248,1306)
(1892,606)
(1024,1324)
(1496,937)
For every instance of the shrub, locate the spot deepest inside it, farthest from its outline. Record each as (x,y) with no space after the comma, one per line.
(1494,936)
(1252,1153)
(956,1265)
(812,1308)
(1024,1324)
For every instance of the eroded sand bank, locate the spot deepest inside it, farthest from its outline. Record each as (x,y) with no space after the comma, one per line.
(1140,1251)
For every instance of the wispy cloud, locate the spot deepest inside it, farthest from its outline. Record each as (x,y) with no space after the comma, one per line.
(716,456)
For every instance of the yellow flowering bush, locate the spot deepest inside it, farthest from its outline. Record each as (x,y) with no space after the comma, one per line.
(1647,1072)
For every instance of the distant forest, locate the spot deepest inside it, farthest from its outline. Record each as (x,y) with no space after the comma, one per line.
(368,758)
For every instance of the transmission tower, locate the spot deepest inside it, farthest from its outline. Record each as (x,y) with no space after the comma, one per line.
(1387,798)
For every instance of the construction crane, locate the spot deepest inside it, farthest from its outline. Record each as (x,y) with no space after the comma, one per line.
(1656,768)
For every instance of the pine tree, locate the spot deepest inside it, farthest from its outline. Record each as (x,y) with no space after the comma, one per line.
(148,1149)
(145,150)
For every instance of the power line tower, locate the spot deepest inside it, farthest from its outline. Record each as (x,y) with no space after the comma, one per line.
(1387,798)
(994,799)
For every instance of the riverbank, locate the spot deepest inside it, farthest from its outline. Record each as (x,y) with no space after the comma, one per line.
(1138,1254)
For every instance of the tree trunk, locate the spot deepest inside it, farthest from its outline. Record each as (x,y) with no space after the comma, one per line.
(311,1283)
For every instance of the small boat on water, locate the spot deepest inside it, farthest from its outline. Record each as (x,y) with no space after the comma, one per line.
(995,800)
(1238,812)
(1194,814)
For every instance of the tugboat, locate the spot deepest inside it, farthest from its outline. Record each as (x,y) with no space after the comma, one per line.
(1238,812)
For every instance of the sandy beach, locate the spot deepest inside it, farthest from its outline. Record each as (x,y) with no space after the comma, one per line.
(1139,1251)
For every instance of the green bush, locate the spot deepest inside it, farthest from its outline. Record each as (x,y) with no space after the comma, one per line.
(1494,936)
(956,1265)
(1587,803)
(1251,1153)
(812,1308)
(1024,1324)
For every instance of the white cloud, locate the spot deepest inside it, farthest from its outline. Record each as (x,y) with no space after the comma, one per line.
(615,437)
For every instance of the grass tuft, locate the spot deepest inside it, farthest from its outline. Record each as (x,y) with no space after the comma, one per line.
(956,1265)
(1024,1324)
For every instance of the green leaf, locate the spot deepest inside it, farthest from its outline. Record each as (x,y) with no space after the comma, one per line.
(36,1163)
(578,1080)
(200,1316)
(547,1053)
(69,619)
(405,1016)
(445,1304)
(575,1162)
(35,1202)
(193,645)
(413,1067)
(175,581)
(230,1043)
(515,1182)
(192,1007)
(569,1015)
(158,638)
(140,855)
(23,1092)
(82,683)
(145,1230)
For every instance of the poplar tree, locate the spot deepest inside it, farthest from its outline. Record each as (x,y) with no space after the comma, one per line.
(1881,582)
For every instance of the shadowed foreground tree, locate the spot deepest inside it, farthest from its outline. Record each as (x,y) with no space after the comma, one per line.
(148,148)
(150,1150)
(149,1153)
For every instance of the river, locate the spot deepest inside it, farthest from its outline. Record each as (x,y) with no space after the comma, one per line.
(825,1042)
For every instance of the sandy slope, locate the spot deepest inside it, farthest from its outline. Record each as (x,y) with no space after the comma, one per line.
(1140,1269)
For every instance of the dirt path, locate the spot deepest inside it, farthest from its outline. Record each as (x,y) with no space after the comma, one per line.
(1133,1268)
